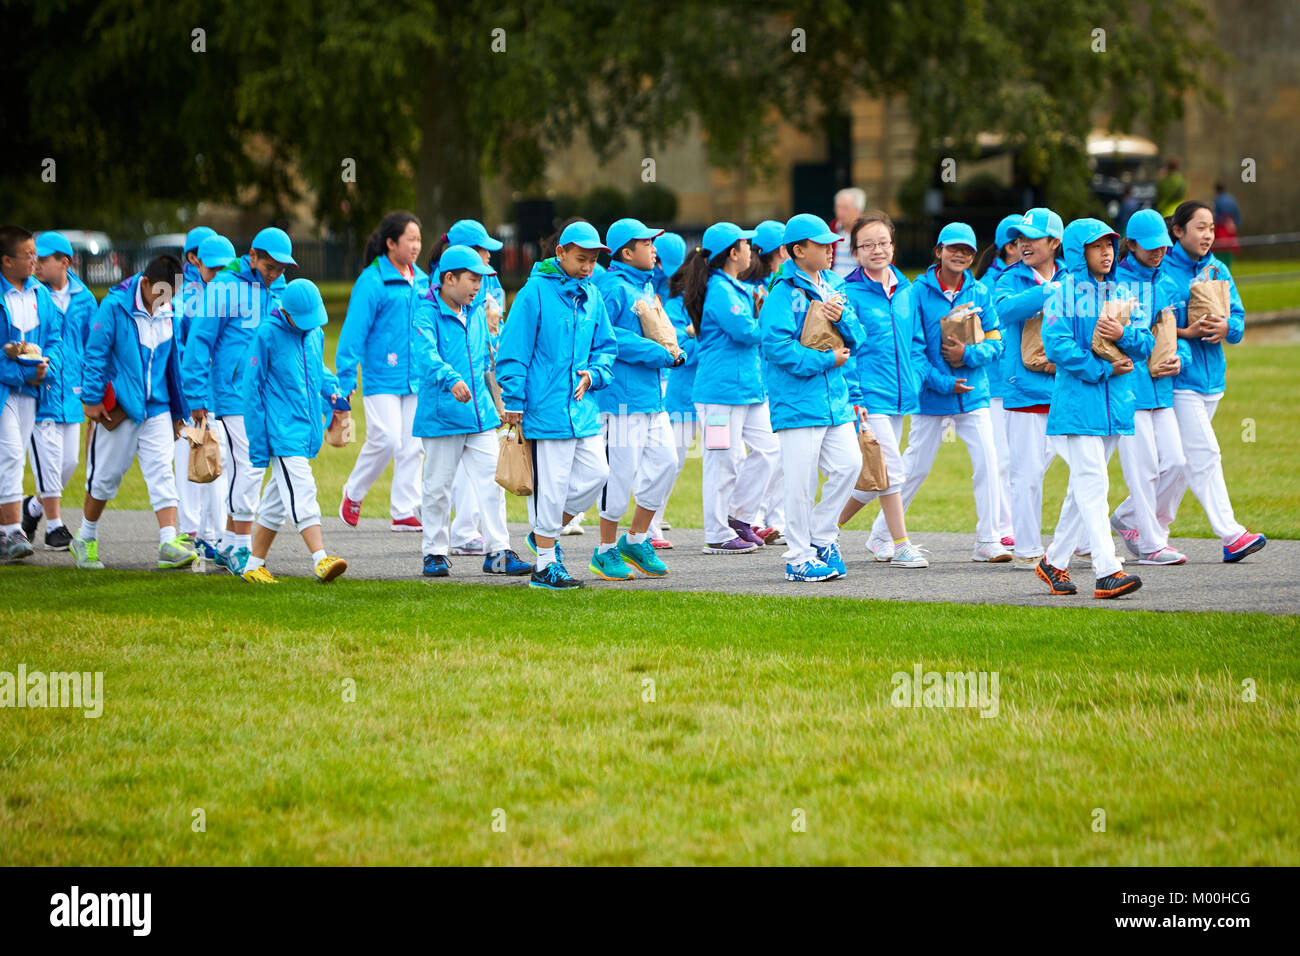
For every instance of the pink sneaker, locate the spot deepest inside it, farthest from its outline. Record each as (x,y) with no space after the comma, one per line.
(1008,541)
(407,524)
(1248,543)
(349,510)
(1164,556)
(661,544)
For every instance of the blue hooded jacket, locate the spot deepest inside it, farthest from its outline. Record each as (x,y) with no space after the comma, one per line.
(935,376)
(286,391)
(557,327)
(681,380)
(728,339)
(1086,398)
(224,321)
(137,353)
(636,386)
(47,332)
(379,331)
(807,389)
(61,399)
(1156,292)
(1019,296)
(880,371)
(450,351)
(1205,366)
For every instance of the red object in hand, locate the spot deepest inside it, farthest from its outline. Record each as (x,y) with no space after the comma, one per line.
(110,398)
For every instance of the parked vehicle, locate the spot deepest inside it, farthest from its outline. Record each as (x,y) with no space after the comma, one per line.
(94,258)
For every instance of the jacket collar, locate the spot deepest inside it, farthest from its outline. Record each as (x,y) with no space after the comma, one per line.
(389,272)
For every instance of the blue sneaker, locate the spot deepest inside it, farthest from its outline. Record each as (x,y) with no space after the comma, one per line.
(831,557)
(208,552)
(554,578)
(642,557)
(559,552)
(221,557)
(436,566)
(506,562)
(237,560)
(1248,543)
(813,570)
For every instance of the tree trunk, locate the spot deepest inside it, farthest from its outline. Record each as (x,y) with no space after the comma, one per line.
(448,184)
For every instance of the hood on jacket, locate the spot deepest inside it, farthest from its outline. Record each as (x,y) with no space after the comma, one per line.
(1079,234)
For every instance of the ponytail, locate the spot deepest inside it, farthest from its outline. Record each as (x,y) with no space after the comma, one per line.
(390,227)
(760,267)
(985,259)
(697,268)
(439,248)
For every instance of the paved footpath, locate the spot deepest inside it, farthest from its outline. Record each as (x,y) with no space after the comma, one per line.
(1265,582)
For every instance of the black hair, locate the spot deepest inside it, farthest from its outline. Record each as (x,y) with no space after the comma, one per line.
(390,227)
(1183,215)
(760,267)
(11,237)
(695,282)
(164,268)
(453,273)
(617,254)
(985,259)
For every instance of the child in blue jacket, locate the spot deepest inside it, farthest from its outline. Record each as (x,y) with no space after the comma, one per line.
(729,393)
(639,442)
(670,253)
(880,372)
(29,317)
(287,390)
(1092,404)
(55,445)
(1152,457)
(131,349)
(812,413)
(222,328)
(954,385)
(1020,292)
(1201,382)
(557,346)
(379,336)
(1002,253)
(456,418)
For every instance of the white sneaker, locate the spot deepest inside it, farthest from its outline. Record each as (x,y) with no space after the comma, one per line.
(574,526)
(908,555)
(881,550)
(1165,555)
(1025,564)
(1087,556)
(992,552)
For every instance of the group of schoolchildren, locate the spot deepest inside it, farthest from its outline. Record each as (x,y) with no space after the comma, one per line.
(609,408)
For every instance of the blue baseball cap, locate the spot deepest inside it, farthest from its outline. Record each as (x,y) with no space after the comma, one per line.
(1003,233)
(194,238)
(1038,223)
(302,303)
(583,235)
(629,230)
(276,244)
(216,252)
(463,257)
(722,236)
(1147,228)
(768,235)
(956,234)
(806,227)
(672,252)
(48,243)
(471,232)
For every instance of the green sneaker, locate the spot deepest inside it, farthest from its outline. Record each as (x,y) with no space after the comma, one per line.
(87,554)
(642,557)
(176,553)
(609,566)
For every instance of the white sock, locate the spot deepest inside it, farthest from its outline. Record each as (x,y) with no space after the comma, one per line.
(604,548)
(636,538)
(166,534)
(89,530)
(34,508)
(222,542)
(53,524)
(243,541)
(11,528)
(545,556)
(317,557)
(254,563)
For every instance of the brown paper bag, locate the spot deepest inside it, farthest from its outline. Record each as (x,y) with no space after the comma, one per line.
(1165,330)
(1032,352)
(1116,309)
(1208,296)
(964,323)
(341,430)
(656,326)
(874,476)
(205,453)
(819,332)
(490,380)
(515,463)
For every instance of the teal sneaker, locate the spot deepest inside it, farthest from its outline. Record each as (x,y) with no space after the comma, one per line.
(609,566)
(642,557)
(87,554)
(237,560)
(176,553)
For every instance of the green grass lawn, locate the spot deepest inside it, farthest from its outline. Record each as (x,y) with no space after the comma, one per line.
(1261,390)
(472,700)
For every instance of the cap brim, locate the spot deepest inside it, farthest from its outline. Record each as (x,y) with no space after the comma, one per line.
(491,245)
(582,244)
(218,264)
(823,238)
(1157,242)
(286,261)
(482,271)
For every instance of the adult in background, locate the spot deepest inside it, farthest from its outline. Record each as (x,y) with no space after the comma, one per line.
(850,204)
